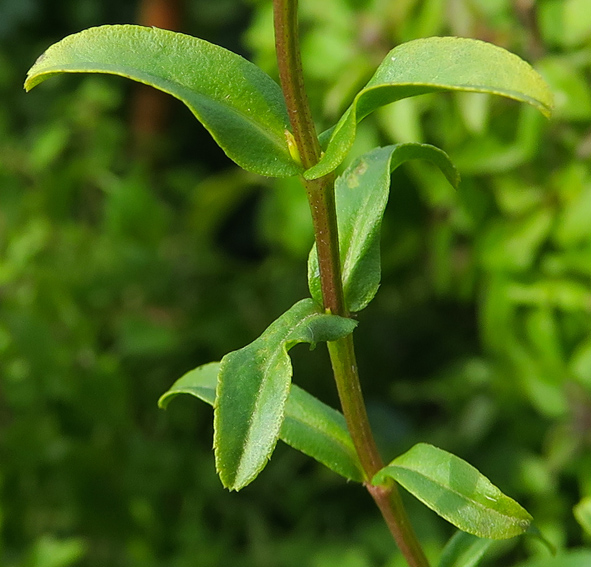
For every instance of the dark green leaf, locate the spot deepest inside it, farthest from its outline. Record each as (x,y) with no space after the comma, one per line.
(310,426)
(240,105)
(253,386)
(361,196)
(430,65)
(456,491)
(464,550)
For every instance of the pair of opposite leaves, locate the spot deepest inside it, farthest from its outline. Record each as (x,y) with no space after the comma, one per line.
(244,109)
(245,112)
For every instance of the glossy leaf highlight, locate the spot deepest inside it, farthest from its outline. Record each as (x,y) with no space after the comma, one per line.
(253,386)
(361,195)
(309,425)
(431,65)
(457,491)
(239,104)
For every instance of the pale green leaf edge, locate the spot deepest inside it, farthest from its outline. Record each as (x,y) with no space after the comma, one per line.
(423,453)
(271,125)
(337,147)
(328,428)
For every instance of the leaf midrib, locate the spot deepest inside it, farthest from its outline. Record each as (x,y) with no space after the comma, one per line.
(281,351)
(447,488)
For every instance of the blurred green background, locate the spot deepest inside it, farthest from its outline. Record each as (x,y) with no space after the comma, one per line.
(131,251)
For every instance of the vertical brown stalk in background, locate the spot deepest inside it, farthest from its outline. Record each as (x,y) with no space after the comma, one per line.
(151,107)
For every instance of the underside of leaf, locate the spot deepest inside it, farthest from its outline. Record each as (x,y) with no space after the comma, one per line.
(361,194)
(240,105)
(309,426)
(433,65)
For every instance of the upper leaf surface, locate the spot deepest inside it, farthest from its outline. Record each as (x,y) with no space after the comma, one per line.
(240,105)
(361,196)
(430,65)
(309,426)
(253,386)
(456,491)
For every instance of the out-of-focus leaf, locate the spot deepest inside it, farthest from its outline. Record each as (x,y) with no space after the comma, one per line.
(573,226)
(545,390)
(513,245)
(487,154)
(544,337)
(51,552)
(474,108)
(361,197)
(252,390)
(456,491)
(464,550)
(582,512)
(285,217)
(309,426)
(577,21)
(573,558)
(564,294)
(240,105)
(580,363)
(570,87)
(431,65)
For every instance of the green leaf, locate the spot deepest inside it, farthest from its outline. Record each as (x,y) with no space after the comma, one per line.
(534,533)
(309,426)
(361,196)
(464,550)
(200,382)
(430,65)
(240,105)
(582,512)
(253,386)
(457,492)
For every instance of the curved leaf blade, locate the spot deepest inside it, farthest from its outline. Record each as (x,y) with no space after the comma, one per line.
(456,491)
(361,195)
(239,104)
(309,426)
(200,382)
(253,386)
(431,65)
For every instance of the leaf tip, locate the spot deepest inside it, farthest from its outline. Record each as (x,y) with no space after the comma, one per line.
(163,401)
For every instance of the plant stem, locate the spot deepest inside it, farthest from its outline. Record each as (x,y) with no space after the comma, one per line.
(320,191)
(342,353)
(344,365)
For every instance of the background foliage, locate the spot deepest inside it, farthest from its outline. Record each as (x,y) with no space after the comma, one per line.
(129,256)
